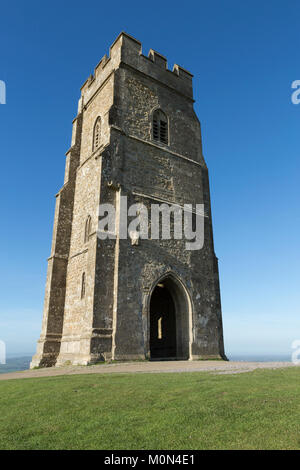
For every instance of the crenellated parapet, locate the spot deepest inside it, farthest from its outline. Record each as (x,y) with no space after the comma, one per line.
(126,51)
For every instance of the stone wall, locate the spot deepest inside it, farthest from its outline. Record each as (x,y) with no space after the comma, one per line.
(111,321)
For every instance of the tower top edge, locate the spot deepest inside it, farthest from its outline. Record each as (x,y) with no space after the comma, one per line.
(128,50)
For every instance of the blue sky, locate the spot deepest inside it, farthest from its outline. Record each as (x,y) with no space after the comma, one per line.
(244,57)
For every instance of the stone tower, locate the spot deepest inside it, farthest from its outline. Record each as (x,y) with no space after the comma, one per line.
(136,134)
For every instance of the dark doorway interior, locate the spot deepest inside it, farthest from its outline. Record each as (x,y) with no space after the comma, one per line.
(162,324)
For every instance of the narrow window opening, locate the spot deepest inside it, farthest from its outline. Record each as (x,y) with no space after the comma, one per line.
(160,127)
(97,134)
(159,328)
(83,286)
(87,229)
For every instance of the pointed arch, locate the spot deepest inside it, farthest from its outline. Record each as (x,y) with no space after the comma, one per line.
(97,134)
(160,126)
(169,308)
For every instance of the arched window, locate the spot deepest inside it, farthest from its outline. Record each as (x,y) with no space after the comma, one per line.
(87,229)
(160,126)
(83,285)
(97,134)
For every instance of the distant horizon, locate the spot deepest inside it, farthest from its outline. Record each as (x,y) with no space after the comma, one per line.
(235,354)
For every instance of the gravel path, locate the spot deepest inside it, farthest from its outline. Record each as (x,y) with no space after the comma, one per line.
(219,367)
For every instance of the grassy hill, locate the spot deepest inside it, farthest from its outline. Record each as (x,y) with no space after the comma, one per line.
(257,410)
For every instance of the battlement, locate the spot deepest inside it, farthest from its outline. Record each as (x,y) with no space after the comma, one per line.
(127,51)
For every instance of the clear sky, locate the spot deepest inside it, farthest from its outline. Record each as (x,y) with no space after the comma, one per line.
(244,57)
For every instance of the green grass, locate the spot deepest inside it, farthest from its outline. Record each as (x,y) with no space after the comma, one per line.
(258,410)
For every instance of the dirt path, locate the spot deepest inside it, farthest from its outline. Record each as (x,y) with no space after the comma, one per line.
(218,367)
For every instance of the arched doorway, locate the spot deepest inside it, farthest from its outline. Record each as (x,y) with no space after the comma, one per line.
(169,313)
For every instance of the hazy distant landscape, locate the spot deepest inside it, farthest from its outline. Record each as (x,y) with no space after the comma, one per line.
(14,364)
(260,357)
